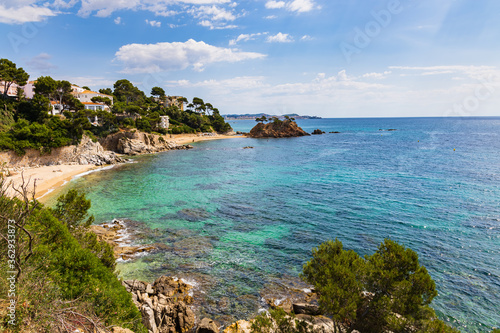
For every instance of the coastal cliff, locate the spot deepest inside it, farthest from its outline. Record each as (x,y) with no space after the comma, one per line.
(86,152)
(277,129)
(136,143)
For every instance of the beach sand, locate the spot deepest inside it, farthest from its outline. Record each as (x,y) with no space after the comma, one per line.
(47,178)
(183,139)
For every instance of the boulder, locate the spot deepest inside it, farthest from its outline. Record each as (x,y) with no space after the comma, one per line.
(162,304)
(308,309)
(317,131)
(148,319)
(117,329)
(241,326)
(207,326)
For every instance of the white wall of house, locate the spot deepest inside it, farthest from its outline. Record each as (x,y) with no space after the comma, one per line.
(12,89)
(87,95)
(164,122)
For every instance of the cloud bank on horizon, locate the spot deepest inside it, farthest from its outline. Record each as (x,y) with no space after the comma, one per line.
(360,58)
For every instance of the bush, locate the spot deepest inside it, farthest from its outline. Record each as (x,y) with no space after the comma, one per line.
(62,280)
(278,321)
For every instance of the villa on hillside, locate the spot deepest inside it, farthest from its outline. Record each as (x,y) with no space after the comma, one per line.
(85,96)
(175,101)
(12,90)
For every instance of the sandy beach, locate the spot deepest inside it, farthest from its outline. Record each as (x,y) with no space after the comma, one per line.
(47,178)
(183,139)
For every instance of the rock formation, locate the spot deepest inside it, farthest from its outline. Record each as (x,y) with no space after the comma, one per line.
(85,153)
(317,132)
(277,129)
(163,305)
(207,326)
(114,234)
(135,143)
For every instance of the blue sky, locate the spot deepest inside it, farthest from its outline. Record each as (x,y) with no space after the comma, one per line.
(350,58)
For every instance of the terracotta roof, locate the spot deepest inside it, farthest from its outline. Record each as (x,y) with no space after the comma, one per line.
(90,92)
(92,103)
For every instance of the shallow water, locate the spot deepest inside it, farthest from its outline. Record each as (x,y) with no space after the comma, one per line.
(237,221)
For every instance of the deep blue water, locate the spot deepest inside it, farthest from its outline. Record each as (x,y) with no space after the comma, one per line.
(432,185)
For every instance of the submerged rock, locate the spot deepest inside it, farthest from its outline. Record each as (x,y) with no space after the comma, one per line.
(193,214)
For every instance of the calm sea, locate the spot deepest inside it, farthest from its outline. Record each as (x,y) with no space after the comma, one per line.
(239,222)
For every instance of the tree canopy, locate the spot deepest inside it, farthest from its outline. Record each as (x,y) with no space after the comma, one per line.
(10,74)
(387,291)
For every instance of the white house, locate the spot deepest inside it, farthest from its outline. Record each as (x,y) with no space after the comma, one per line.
(87,95)
(95,106)
(164,122)
(12,89)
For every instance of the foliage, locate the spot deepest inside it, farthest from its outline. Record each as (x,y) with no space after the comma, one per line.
(157,91)
(10,74)
(71,209)
(30,124)
(278,321)
(262,119)
(367,293)
(63,278)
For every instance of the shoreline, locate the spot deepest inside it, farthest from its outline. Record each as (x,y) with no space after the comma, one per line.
(50,178)
(182,139)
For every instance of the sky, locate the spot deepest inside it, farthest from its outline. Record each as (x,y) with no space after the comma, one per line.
(328,58)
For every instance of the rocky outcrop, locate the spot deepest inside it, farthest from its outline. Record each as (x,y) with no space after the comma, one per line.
(317,132)
(115,234)
(307,309)
(277,129)
(136,143)
(207,325)
(241,326)
(86,152)
(163,305)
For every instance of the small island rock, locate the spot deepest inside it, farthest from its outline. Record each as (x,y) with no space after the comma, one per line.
(277,129)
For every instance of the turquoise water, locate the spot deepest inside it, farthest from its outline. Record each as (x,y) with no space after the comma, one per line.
(433,185)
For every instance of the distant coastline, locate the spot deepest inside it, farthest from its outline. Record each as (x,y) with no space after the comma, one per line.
(249,116)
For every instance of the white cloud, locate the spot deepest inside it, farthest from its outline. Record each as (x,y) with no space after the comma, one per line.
(118,20)
(41,63)
(301,6)
(280,38)
(156,24)
(346,95)
(275,4)
(271,17)
(306,38)
(245,38)
(24,14)
(474,72)
(104,8)
(213,17)
(146,58)
(375,75)
(298,6)
(94,82)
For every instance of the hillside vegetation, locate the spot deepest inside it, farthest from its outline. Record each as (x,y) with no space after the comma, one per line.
(29,123)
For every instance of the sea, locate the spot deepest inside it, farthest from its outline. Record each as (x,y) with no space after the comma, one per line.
(239,223)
